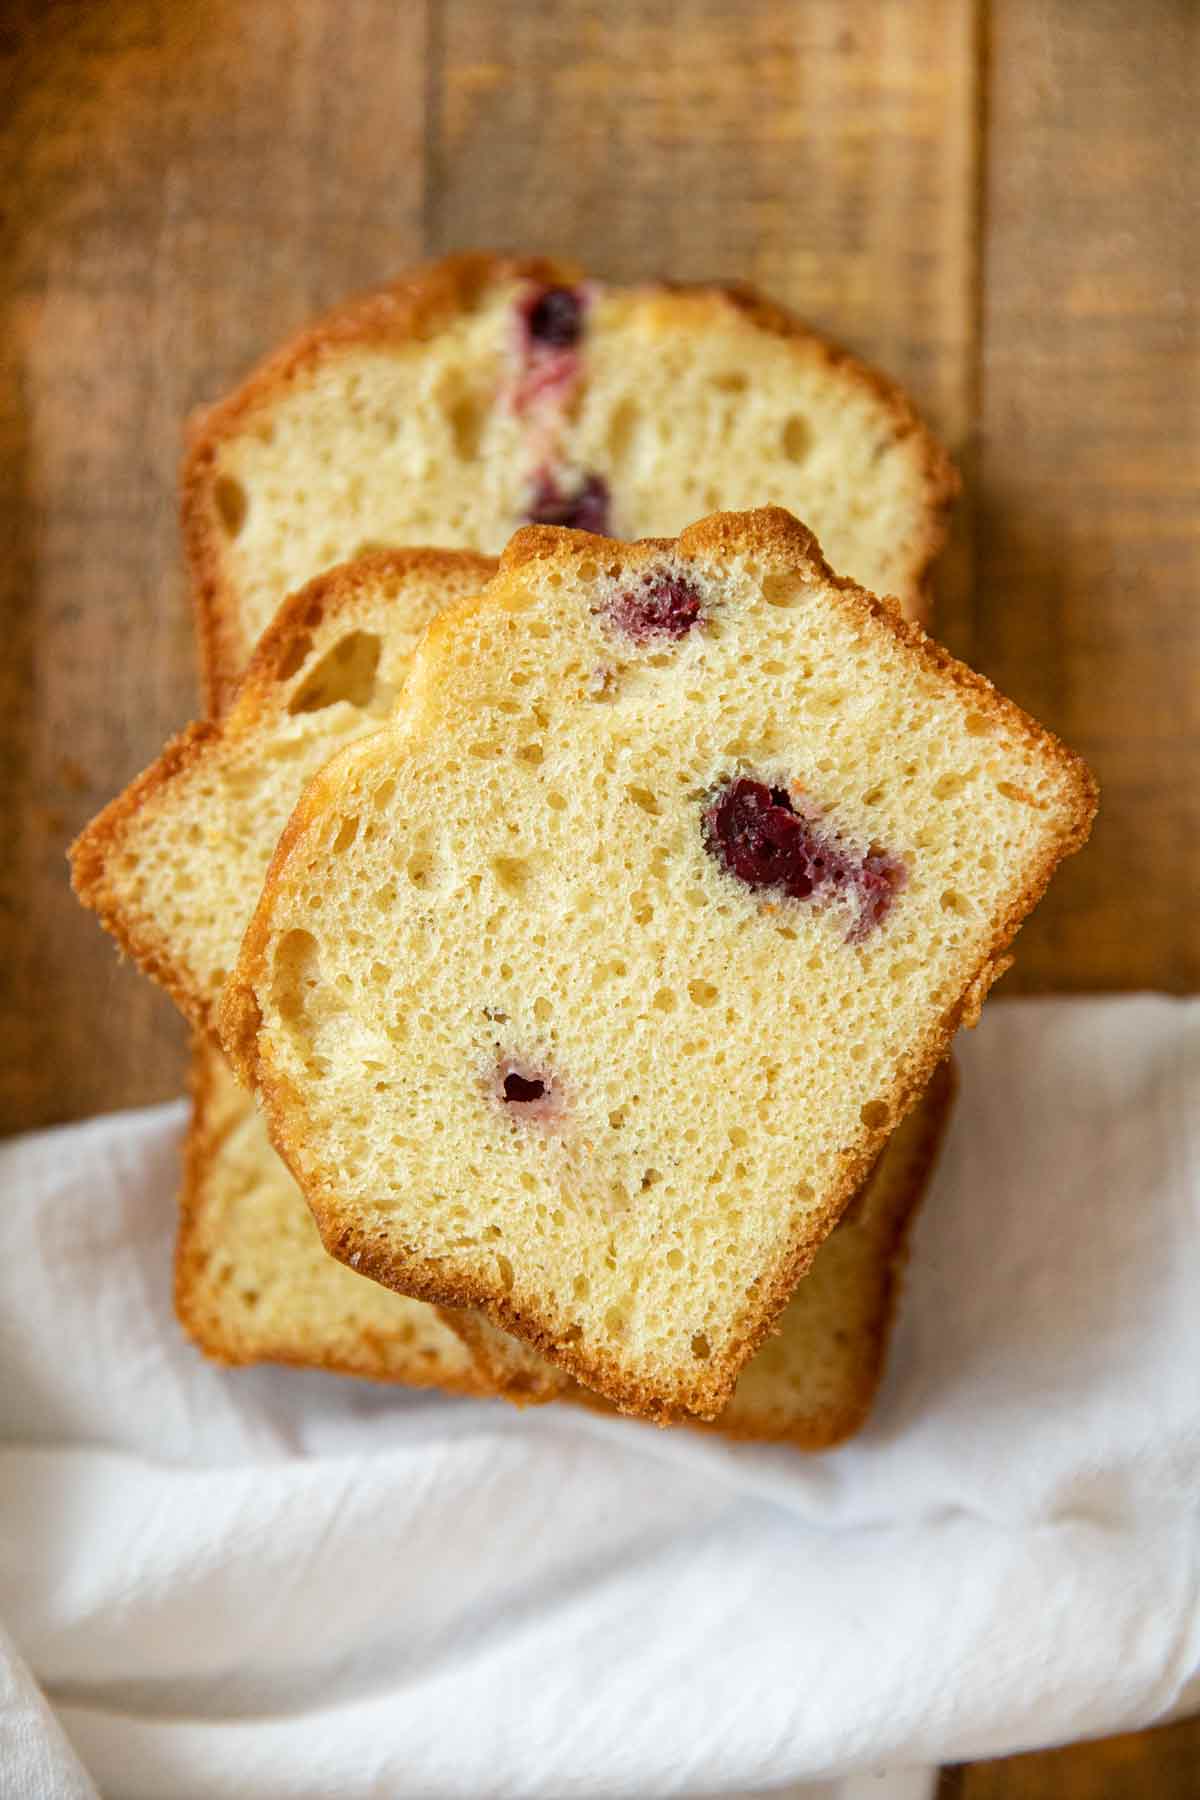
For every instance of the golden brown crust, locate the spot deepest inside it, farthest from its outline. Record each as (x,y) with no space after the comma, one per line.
(417,304)
(375,1356)
(279,655)
(821,1427)
(99,843)
(833,1425)
(767,532)
(533,1384)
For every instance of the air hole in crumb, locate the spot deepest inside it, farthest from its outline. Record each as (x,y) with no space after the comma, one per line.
(346,835)
(731,381)
(645,799)
(345,673)
(614,1321)
(466,416)
(297,969)
(506,1273)
(701,993)
(975,725)
(1011,792)
(664,1000)
(955,903)
(874,1114)
(298,653)
(797,438)
(232,504)
(780,590)
(621,428)
(512,872)
(674,1259)
(700,1347)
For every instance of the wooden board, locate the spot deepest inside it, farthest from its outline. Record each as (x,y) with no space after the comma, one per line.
(1086,597)
(991,200)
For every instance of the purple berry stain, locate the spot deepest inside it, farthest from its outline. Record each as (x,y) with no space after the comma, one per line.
(662,605)
(522,1089)
(527,1095)
(554,317)
(759,836)
(584,506)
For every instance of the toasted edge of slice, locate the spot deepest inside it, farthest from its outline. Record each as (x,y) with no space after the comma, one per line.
(773,534)
(876,1224)
(414,307)
(229,1173)
(291,648)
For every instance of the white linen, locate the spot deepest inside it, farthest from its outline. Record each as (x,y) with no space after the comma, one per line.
(273,1583)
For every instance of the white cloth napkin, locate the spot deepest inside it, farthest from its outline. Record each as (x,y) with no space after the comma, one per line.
(271,1583)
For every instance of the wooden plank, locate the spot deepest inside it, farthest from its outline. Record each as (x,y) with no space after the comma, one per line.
(1139,1765)
(1088,529)
(824,151)
(193,181)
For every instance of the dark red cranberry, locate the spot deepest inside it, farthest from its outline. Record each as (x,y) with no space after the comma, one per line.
(554,317)
(758,835)
(521,1089)
(584,509)
(659,606)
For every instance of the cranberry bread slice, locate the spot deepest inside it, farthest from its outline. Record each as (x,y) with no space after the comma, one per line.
(589,991)
(174,865)
(252,1282)
(813,1382)
(481,391)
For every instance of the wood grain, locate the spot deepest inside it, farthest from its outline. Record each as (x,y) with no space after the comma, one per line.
(1086,599)
(180,209)
(993,202)
(824,151)
(1138,1765)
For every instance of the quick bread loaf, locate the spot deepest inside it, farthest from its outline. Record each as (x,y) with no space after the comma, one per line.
(588,991)
(482,391)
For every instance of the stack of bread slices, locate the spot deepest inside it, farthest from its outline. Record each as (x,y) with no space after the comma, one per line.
(572,942)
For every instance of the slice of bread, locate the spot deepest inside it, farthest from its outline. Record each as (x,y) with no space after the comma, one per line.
(252,1281)
(239,1194)
(813,1382)
(481,391)
(588,992)
(253,1284)
(174,865)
